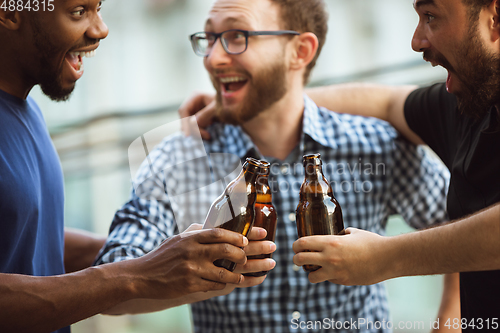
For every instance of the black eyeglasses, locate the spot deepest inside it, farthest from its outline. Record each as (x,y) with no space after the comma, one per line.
(233,41)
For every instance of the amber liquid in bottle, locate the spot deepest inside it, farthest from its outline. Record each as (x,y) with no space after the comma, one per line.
(318,212)
(234,209)
(265,213)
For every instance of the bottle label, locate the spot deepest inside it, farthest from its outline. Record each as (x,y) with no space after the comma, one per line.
(266,211)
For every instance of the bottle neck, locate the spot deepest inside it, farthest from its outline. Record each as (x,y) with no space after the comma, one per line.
(313,172)
(262,184)
(263,190)
(250,174)
(314,183)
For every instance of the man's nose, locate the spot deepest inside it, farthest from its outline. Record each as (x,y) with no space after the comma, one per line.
(97,29)
(218,56)
(419,42)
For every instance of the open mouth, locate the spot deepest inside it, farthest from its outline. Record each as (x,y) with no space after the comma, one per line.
(75,59)
(433,62)
(232,84)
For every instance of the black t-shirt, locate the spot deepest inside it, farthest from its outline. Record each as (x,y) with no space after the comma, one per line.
(470,148)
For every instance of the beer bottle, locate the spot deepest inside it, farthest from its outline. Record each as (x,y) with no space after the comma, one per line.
(318,212)
(265,213)
(234,208)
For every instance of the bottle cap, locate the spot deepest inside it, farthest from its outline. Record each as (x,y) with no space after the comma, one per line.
(253,161)
(252,165)
(312,159)
(264,167)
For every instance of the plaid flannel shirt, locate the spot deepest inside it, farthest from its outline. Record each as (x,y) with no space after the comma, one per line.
(373,173)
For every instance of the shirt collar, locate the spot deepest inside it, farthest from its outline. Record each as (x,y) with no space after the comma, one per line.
(231,139)
(318,126)
(315,125)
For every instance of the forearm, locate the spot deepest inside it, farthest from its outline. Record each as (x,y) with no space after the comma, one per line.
(80,249)
(137,306)
(362,99)
(44,304)
(470,244)
(368,100)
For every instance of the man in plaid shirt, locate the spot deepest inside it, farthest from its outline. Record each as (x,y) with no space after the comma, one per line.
(259,71)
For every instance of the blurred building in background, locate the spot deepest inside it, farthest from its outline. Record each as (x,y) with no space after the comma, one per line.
(146,68)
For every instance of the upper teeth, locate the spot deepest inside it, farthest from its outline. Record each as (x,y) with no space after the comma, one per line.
(231,79)
(89,54)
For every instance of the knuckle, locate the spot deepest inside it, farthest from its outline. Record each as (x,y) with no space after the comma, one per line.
(298,258)
(222,274)
(301,242)
(226,249)
(217,233)
(332,261)
(189,268)
(333,242)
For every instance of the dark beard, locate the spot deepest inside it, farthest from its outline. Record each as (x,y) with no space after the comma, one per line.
(479,72)
(50,76)
(266,88)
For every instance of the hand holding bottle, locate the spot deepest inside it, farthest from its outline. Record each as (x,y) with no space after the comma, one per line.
(357,258)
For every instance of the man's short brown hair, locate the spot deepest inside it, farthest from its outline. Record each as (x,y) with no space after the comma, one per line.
(305,16)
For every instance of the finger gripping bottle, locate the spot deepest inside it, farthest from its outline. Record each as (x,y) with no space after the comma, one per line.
(318,212)
(265,212)
(234,209)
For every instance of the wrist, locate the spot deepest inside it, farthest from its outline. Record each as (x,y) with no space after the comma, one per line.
(121,280)
(393,255)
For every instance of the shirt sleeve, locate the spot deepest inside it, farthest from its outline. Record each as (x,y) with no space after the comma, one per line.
(141,225)
(147,219)
(431,113)
(419,185)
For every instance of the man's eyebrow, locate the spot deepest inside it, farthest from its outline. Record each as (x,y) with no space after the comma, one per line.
(419,3)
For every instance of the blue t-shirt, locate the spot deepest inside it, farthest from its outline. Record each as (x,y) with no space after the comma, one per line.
(31,193)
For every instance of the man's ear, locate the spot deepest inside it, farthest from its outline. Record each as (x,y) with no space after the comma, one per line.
(10,20)
(494,9)
(306,46)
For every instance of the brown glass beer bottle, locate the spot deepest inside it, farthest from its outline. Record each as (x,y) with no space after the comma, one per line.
(234,209)
(318,212)
(265,213)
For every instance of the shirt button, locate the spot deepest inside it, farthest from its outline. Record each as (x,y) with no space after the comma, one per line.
(284,169)
(296,268)
(296,315)
(292,217)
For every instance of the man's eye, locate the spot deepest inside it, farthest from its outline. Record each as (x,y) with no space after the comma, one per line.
(78,13)
(430,18)
(99,6)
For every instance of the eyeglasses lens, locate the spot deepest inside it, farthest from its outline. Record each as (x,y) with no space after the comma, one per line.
(234,41)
